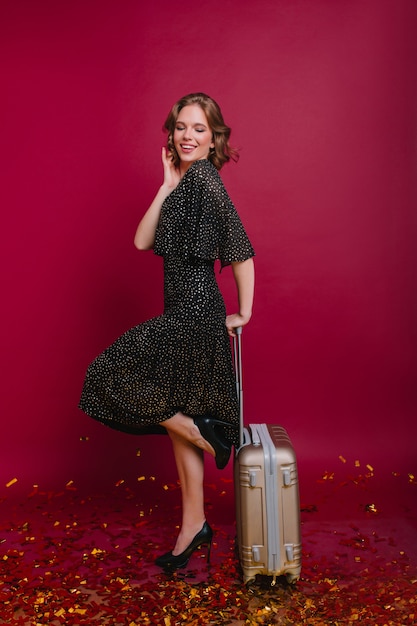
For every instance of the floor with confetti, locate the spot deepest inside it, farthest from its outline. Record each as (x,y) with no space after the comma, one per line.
(75,556)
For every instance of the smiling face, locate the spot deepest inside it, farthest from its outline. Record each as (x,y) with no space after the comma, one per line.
(193,136)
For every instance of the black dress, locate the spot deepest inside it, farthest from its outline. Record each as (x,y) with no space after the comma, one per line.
(181,360)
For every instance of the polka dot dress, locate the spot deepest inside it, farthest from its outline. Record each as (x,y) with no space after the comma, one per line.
(181,360)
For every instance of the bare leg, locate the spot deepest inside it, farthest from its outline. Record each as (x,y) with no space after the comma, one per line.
(190,466)
(184,426)
(188,445)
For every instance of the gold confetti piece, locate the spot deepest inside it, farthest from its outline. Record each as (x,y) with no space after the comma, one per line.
(57,523)
(11,482)
(69,483)
(357,463)
(121,580)
(342,458)
(40,600)
(166,487)
(152,478)
(309,604)
(140,478)
(370,468)
(84,438)
(120,482)
(138,452)
(60,613)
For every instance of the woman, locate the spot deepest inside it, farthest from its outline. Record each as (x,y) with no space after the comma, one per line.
(175,371)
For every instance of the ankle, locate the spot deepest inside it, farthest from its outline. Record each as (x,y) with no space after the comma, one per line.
(186,535)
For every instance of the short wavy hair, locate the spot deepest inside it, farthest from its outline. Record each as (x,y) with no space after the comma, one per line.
(222,151)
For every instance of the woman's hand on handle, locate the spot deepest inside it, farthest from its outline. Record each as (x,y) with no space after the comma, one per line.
(235,321)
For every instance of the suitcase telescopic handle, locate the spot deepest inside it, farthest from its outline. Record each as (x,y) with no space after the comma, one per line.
(237,358)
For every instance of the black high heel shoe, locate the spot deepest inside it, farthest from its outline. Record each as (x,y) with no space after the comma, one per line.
(222,447)
(170,562)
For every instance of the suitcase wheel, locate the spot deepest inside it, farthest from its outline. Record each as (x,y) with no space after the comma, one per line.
(292,578)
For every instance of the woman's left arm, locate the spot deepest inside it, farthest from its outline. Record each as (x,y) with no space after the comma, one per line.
(244,275)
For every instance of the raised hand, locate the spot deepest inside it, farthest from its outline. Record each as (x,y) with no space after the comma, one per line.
(171,173)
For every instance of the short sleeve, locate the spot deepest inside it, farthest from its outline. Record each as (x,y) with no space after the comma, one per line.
(234,244)
(199,220)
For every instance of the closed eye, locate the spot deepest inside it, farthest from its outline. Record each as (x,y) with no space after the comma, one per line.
(200,129)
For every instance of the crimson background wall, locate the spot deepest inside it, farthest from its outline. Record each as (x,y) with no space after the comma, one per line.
(322,99)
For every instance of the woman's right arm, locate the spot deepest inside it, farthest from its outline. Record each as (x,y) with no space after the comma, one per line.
(145,232)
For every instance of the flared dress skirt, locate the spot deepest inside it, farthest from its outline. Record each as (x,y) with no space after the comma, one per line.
(178,361)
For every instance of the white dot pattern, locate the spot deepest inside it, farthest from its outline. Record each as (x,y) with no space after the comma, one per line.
(181,360)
